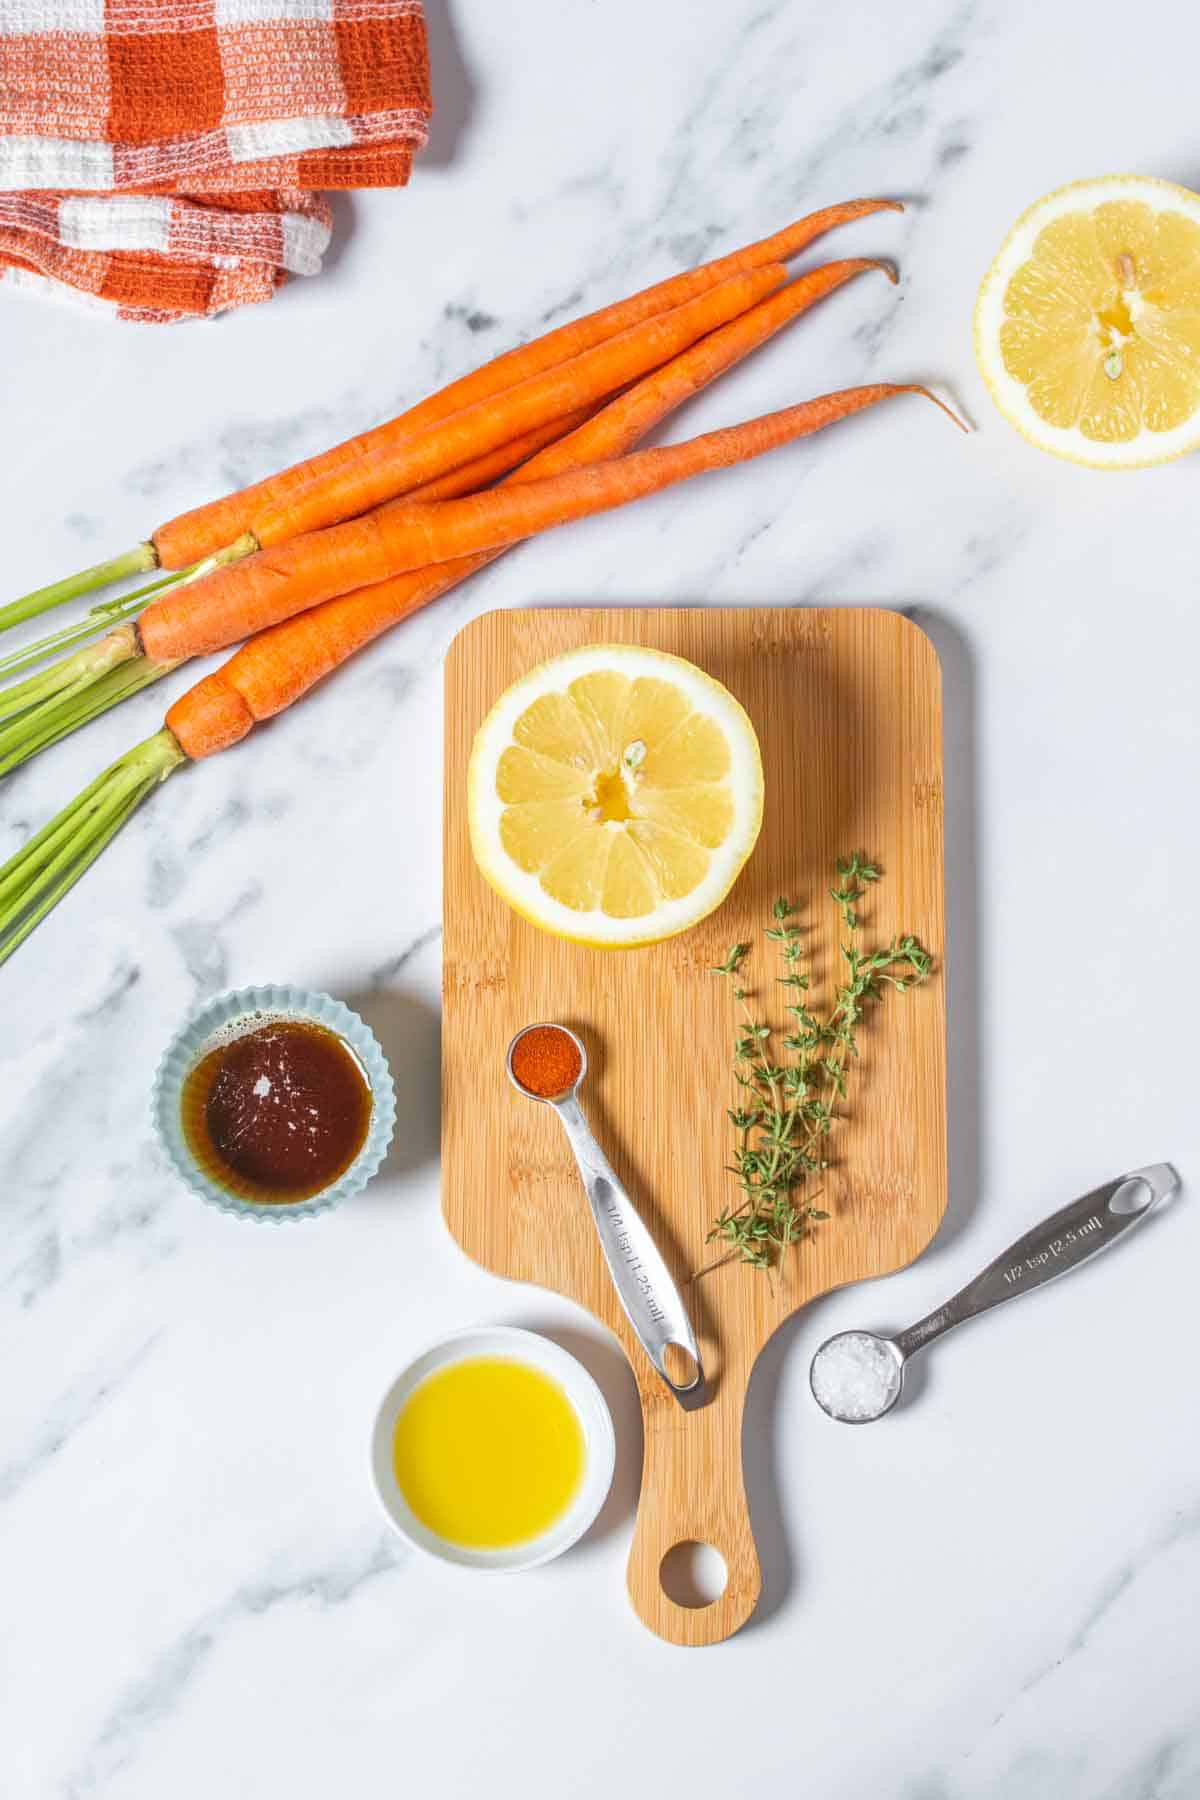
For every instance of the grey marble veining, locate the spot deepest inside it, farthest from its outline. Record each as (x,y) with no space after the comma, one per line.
(151,1701)
(992,1596)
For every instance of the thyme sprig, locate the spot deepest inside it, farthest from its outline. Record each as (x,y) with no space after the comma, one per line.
(791,1097)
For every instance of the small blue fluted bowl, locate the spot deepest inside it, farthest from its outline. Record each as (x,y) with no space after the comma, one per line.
(255,1006)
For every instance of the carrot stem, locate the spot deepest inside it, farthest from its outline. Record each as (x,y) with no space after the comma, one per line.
(137,561)
(24,737)
(99,618)
(34,880)
(45,707)
(65,677)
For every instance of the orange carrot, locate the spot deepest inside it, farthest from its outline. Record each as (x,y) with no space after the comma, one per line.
(314,570)
(37,712)
(393,468)
(246,597)
(205,529)
(281,664)
(80,686)
(276,668)
(481,471)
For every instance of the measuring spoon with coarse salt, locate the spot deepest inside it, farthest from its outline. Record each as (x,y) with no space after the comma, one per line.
(857,1375)
(548,1063)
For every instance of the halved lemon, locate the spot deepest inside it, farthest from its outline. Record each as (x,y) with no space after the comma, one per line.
(1087,327)
(614,795)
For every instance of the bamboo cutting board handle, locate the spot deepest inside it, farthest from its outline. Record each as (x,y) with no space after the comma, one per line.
(693,1491)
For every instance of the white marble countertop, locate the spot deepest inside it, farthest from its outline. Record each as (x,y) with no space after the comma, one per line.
(996,1594)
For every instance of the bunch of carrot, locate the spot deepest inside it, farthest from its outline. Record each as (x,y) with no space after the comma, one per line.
(314,562)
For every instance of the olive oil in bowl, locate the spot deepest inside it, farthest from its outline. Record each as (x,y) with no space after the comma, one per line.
(489,1452)
(493,1450)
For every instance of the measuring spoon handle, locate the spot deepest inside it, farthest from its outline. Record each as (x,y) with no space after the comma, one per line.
(652,1302)
(1064,1241)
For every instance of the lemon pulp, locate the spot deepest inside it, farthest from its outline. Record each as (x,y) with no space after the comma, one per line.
(488,1452)
(615,794)
(1088,325)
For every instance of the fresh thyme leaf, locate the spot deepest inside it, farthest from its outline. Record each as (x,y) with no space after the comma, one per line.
(789,1107)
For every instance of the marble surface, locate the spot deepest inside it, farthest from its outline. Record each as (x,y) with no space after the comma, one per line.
(994,1595)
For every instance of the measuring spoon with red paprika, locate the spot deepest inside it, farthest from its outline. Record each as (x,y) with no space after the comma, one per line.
(548,1063)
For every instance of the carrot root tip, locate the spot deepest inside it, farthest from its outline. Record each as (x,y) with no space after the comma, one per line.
(942,405)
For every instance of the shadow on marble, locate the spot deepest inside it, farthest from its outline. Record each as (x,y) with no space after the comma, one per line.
(763,1431)
(410,1035)
(762,1427)
(453,101)
(344,221)
(605,1362)
(453,90)
(962,960)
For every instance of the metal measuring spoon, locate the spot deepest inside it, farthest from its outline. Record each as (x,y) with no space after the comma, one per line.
(857,1376)
(652,1302)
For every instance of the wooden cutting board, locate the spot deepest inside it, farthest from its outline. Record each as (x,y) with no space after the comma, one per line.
(847,705)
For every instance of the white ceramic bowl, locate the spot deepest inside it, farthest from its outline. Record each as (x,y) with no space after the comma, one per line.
(590,1407)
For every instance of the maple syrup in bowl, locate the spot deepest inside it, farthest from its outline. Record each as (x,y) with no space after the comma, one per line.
(274,1103)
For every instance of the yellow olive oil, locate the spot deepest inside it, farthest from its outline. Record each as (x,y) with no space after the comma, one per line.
(489,1452)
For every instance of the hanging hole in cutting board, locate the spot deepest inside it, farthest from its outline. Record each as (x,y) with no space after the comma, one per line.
(693,1574)
(680,1365)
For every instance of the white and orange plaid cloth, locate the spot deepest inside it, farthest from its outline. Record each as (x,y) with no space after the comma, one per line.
(163,159)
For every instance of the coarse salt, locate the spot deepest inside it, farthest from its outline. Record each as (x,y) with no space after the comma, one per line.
(855,1376)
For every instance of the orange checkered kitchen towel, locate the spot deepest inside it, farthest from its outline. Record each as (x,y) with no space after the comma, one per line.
(163,159)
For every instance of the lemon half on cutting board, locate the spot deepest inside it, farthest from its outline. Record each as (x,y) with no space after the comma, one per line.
(614,794)
(1087,327)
